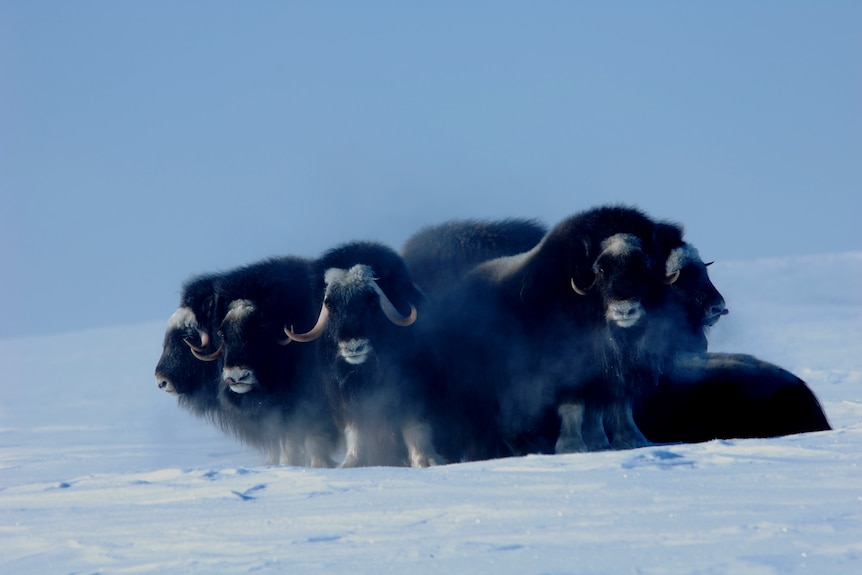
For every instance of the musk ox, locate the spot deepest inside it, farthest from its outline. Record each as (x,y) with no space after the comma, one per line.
(269,394)
(758,395)
(709,396)
(552,336)
(375,378)
(205,370)
(438,256)
(699,395)
(702,396)
(178,371)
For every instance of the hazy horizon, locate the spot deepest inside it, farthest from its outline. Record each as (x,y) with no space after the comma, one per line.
(141,144)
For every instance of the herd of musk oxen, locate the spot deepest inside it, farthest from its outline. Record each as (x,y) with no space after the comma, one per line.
(479,339)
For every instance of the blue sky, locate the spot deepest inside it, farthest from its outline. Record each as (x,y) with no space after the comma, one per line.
(142,143)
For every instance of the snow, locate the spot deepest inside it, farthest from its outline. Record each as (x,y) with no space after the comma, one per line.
(100,472)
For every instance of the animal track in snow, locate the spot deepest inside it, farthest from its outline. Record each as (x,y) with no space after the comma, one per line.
(247,494)
(661,458)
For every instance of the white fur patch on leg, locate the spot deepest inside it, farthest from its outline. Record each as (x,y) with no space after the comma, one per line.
(273,456)
(291,452)
(571,439)
(319,448)
(351,439)
(420,446)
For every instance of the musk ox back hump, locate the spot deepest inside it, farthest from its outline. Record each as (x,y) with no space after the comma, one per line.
(439,255)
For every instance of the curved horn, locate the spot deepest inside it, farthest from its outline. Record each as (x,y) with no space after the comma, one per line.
(204,357)
(286,340)
(205,341)
(575,288)
(392,314)
(580,291)
(672,277)
(314,333)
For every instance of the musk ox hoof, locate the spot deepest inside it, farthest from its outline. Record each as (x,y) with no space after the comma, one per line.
(621,428)
(350,462)
(570,445)
(629,437)
(420,448)
(631,443)
(426,460)
(321,462)
(596,439)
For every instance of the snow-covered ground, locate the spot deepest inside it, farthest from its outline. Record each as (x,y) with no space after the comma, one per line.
(100,472)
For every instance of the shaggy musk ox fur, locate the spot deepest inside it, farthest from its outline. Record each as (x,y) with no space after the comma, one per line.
(554,336)
(541,343)
(225,333)
(376,382)
(723,396)
(179,372)
(269,394)
(439,255)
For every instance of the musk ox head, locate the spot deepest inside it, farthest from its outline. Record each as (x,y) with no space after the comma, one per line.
(237,331)
(625,278)
(250,346)
(693,287)
(354,313)
(179,371)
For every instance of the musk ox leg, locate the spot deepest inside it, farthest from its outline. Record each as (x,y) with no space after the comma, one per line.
(291,452)
(319,448)
(352,444)
(420,447)
(581,428)
(621,425)
(593,428)
(570,439)
(273,455)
